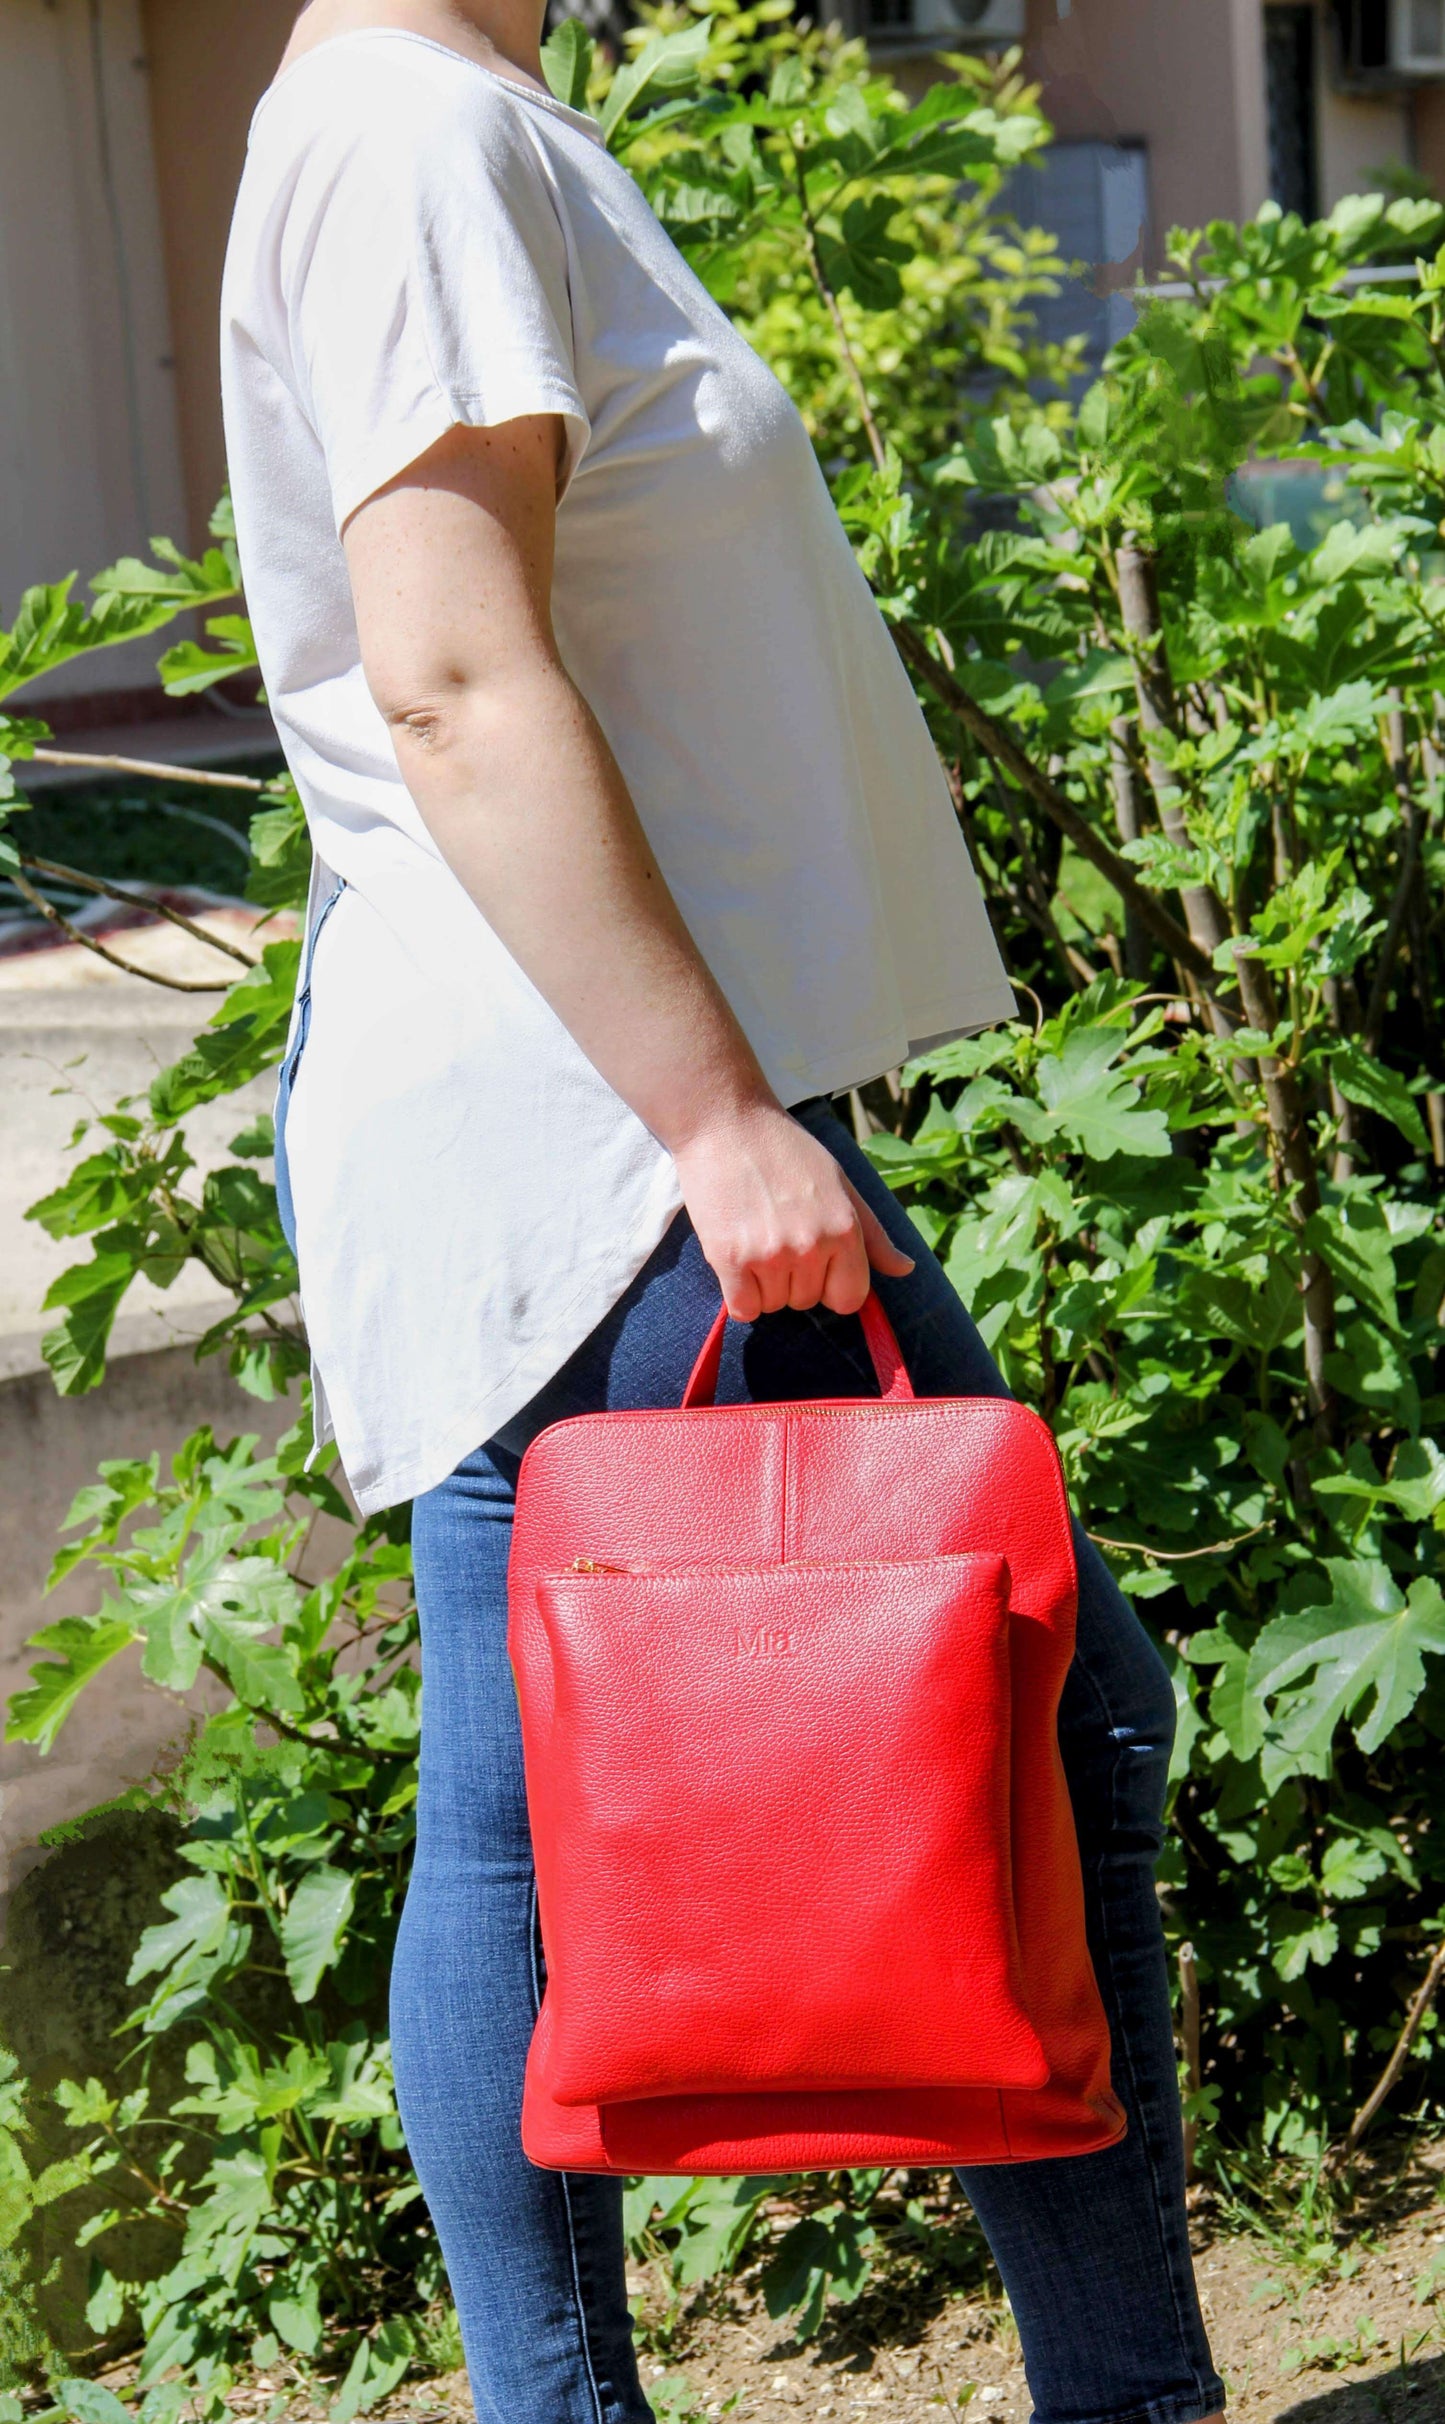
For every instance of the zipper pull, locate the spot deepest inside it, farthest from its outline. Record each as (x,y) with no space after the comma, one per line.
(591,1565)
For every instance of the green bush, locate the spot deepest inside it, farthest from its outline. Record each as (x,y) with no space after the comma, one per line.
(1192,1196)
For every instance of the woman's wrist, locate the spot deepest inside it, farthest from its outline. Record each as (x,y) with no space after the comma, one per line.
(721,1112)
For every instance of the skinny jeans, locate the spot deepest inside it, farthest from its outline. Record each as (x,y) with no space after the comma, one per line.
(1093,2249)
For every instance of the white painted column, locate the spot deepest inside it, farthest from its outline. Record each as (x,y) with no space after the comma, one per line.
(89,459)
(1251,126)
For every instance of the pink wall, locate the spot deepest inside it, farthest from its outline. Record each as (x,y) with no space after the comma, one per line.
(1182,76)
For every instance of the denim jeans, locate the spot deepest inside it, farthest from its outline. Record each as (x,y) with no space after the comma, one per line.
(1093,2249)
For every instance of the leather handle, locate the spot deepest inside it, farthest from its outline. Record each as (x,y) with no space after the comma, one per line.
(894,1385)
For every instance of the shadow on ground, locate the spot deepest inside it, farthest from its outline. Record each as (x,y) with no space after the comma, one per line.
(1414,2391)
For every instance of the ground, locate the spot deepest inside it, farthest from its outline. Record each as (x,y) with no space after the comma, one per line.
(1309,2326)
(1352,2351)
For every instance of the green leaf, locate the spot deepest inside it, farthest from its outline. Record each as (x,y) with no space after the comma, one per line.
(313,1930)
(567,62)
(99,1191)
(106,2304)
(667,64)
(1359,1656)
(280,856)
(375,2369)
(1298,1938)
(260,1672)
(826,2256)
(1235,1709)
(199,1945)
(1102,673)
(92,1294)
(1346,716)
(861,257)
(220,2229)
(218,1607)
(1094,1104)
(717,2224)
(82,1646)
(189,668)
(1353,1237)
(1254,1312)
(90,2403)
(1363,1078)
(1349,1868)
(1416,1482)
(297,2318)
(247,1036)
(358,2084)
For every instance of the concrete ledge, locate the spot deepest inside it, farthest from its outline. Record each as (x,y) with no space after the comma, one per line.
(49,1447)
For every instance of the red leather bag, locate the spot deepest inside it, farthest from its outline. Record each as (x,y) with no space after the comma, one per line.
(806,1868)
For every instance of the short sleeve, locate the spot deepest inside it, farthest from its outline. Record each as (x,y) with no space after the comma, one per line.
(428,286)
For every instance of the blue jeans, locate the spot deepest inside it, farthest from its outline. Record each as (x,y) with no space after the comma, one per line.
(1093,2249)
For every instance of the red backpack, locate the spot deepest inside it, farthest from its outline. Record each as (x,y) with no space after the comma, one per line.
(806,1868)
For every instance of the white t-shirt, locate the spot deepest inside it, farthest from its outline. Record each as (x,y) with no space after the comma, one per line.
(419,242)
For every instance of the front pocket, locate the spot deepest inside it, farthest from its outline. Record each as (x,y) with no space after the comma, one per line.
(771,1822)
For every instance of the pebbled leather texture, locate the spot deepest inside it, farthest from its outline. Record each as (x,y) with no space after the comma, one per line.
(877,1696)
(807,1875)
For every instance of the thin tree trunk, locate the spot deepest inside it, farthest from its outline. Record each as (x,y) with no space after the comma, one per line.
(1204,912)
(1290,1139)
(1402,904)
(1345,1115)
(1189,2030)
(1129,817)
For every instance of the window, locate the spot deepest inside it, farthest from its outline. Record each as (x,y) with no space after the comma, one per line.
(1289,83)
(1093,197)
(936,24)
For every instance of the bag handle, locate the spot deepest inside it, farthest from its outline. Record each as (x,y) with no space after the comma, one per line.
(894,1385)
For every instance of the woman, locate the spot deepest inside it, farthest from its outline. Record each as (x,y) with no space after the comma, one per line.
(632,850)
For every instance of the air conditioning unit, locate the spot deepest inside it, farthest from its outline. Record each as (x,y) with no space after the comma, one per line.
(1417,37)
(945,24)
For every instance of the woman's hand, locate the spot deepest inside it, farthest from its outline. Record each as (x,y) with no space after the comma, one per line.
(777,1219)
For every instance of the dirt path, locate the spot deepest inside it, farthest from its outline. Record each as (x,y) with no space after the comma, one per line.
(1347,2332)
(1347,2328)
(1331,2331)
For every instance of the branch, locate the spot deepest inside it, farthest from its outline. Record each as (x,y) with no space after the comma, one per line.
(1189,2030)
(1400,904)
(835,313)
(137,900)
(1414,2018)
(1076,966)
(1214,1548)
(170,774)
(1154,689)
(1006,754)
(1131,825)
(1289,1135)
(1342,1110)
(174,984)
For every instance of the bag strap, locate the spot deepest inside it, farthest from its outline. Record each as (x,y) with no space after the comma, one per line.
(894,1385)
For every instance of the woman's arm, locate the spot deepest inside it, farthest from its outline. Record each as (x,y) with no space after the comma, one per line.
(451,572)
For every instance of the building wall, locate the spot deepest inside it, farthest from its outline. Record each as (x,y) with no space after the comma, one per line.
(109,406)
(1182,77)
(210,60)
(89,463)
(1357,136)
(1429,135)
